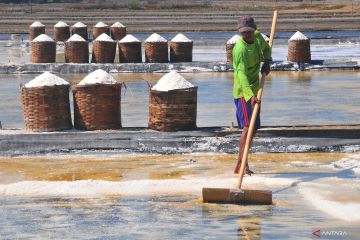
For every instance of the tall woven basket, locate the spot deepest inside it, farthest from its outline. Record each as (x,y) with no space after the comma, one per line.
(43,52)
(36,31)
(156,52)
(103,52)
(82,31)
(97,106)
(229,52)
(174,110)
(299,50)
(97,31)
(46,108)
(130,52)
(77,52)
(118,33)
(61,34)
(181,51)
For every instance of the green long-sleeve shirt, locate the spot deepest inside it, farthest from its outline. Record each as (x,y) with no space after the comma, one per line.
(246,62)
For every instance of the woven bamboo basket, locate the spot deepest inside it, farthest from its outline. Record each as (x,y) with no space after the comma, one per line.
(174,110)
(181,51)
(103,52)
(97,106)
(118,33)
(77,52)
(156,52)
(46,108)
(97,31)
(82,31)
(61,34)
(36,31)
(130,52)
(229,52)
(299,51)
(43,52)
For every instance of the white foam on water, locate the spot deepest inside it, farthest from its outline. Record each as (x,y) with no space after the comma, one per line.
(104,38)
(352,162)
(118,24)
(322,195)
(46,79)
(61,24)
(101,24)
(180,38)
(298,36)
(147,187)
(37,24)
(76,38)
(234,39)
(155,38)
(98,77)
(43,38)
(171,81)
(79,25)
(129,38)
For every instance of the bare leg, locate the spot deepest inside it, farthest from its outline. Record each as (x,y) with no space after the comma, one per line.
(241,152)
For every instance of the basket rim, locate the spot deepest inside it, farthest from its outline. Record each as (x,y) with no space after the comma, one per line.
(174,90)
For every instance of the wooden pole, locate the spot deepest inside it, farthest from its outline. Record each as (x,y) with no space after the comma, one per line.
(255,111)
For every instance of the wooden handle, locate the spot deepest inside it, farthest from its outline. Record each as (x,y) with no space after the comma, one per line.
(255,111)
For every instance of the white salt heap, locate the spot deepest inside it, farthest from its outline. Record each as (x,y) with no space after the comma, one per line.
(171,81)
(104,38)
(61,24)
(180,38)
(98,77)
(43,38)
(76,38)
(155,38)
(101,24)
(117,24)
(298,36)
(234,39)
(79,25)
(265,37)
(129,38)
(37,24)
(46,79)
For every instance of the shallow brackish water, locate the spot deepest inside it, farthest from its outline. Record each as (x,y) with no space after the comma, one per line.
(138,197)
(290,98)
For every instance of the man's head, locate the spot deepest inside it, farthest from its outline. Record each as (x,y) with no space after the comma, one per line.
(246,28)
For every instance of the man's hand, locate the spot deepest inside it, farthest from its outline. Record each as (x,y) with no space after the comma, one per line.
(254,100)
(265,69)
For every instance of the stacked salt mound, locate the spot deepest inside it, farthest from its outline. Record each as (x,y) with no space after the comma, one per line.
(98,77)
(129,38)
(37,24)
(35,30)
(104,38)
(299,48)
(43,38)
(118,24)
(234,39)
(76,50)
(61,24)
(172,81)
(181,49)
(101,24)
(76,38)
(298,36)
(46,79)
(155,38)
(180,38)
(79,25)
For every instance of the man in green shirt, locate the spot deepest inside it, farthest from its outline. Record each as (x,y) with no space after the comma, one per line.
(248,54)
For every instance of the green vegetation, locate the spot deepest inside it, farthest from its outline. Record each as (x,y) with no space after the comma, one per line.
(134,4)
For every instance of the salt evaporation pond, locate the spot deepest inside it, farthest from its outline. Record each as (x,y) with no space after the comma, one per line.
(290,98)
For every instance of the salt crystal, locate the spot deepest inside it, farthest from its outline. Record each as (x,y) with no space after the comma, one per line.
(298,36)
(155,38)
(117,24)
(171,81)
(180,38)
(76,38)
(265,37)
(104,38)
(37,24)
(43,38)
(234,39)
(79,25)
(98,77)
(61,24)
(129,38)
(101,24)
(46,79)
